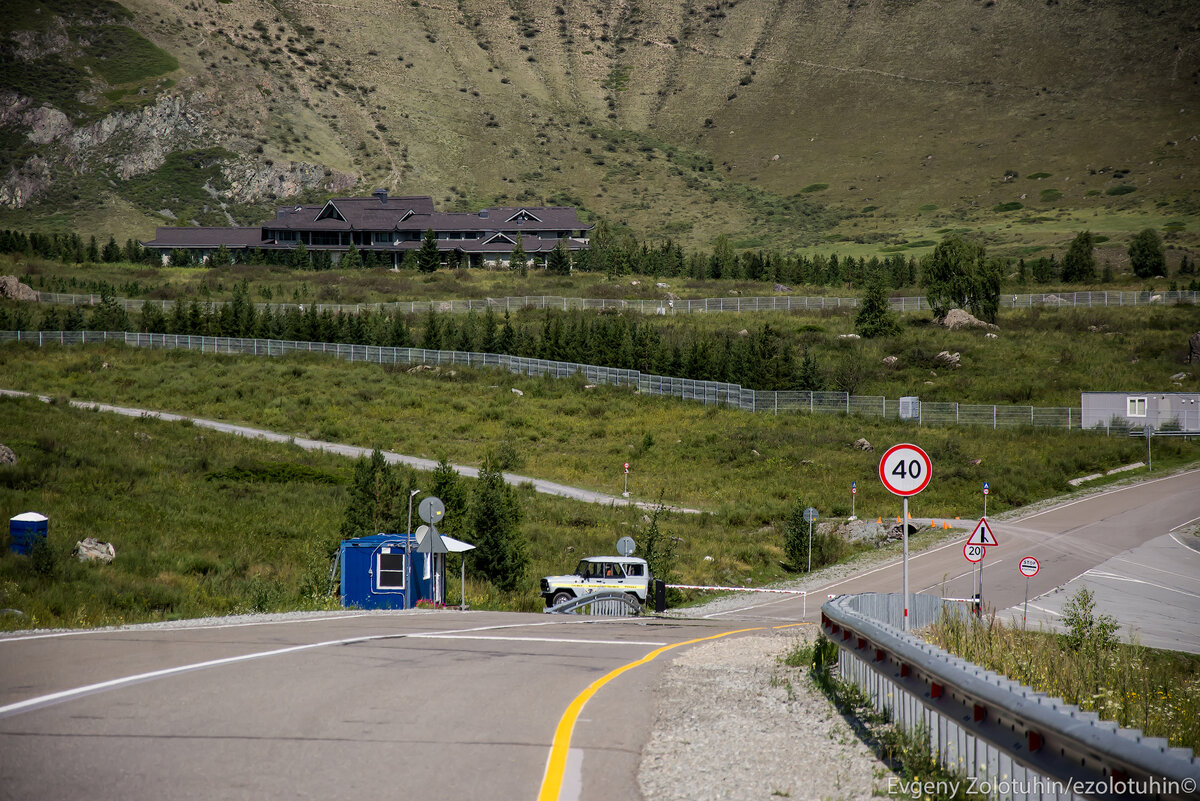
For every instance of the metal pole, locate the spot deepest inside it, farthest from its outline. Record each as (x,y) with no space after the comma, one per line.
(1025,614)
(408,553)
(809,546)
(906,563)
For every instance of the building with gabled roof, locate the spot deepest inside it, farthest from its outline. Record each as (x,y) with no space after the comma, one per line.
(388,227)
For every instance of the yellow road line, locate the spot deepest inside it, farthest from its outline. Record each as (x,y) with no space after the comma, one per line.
(556,765)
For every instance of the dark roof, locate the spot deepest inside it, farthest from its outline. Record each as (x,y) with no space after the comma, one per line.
(195,237)
(417,214)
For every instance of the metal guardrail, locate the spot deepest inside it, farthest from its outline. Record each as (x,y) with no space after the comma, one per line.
(1018,744)
(611,603)
(663,305)
(707,392)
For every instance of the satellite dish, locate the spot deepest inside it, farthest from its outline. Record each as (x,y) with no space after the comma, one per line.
(626,546)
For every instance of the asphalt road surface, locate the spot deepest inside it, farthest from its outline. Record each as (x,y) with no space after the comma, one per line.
(401,705)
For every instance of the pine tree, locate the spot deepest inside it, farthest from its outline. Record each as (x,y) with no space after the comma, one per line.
(351,260)
(222,257)
(501,551)
(299,258)
(112,251)
(559,261)
(517,260)
(429,257)
(875,318)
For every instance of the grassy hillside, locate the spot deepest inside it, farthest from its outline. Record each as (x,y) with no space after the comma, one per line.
(778,122)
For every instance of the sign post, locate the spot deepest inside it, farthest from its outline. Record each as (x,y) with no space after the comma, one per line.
(625,494)
(432,510)
(1029,568)
(986,489)
(810,514)
(905,470)
(983,537)
(853,496)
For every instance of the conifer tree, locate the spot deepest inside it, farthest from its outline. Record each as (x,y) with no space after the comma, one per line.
(428,256)
(517,260)
(351,260)
(501,551)
(559,261)
(875,318)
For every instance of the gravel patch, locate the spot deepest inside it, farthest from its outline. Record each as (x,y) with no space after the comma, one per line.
(736,724)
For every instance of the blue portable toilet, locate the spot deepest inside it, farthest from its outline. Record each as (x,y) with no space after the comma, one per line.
(25,530)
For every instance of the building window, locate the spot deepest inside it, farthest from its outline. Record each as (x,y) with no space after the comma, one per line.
(1137,407)
(389,570)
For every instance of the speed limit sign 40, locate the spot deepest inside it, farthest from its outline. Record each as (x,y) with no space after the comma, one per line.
(905,469)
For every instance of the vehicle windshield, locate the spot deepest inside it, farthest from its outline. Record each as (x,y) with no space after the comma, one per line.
(586,568)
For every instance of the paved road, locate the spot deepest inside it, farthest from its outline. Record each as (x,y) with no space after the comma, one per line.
(355,452)
(400,705)
(1093,537)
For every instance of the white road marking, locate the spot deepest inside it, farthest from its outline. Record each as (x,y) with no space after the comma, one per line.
(1047,611)
(1115,577)
(37,702)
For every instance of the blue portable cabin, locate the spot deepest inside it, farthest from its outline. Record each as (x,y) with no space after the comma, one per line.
(25,530)
(373,575)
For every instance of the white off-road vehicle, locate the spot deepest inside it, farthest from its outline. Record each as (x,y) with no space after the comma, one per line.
(600,573)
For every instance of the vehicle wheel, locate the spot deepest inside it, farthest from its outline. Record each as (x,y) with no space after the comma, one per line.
(635,597)
(560,597)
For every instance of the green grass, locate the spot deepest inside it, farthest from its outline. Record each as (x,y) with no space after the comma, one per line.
(1149,689)
(746,467)
(179,185)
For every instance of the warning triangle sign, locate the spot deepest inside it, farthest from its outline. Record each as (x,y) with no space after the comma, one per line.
(982,535)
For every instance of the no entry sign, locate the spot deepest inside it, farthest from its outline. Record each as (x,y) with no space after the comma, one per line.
(905,469)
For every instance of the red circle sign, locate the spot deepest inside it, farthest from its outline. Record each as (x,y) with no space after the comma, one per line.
(973,552)
(905,469)
(1029,567)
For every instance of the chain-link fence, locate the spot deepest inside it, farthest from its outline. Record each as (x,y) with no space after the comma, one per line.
(667,306)
(715,393)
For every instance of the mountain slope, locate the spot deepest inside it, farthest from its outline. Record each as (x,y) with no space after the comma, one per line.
(775,121)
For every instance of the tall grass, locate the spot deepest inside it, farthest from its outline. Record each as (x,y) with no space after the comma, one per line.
(1145,688)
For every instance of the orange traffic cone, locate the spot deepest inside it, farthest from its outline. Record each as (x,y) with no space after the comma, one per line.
(946,525)
(880,520)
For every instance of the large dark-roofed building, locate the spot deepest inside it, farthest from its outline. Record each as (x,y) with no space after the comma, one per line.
(388,227)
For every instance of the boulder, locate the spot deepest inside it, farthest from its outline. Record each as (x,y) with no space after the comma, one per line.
(863,445)
(93,550)
(949,359)
(13,289)
(782,288)
(7,456)
(849,336)
(890,361)
(957,318)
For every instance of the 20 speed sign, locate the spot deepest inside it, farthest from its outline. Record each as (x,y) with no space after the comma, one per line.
(905,469)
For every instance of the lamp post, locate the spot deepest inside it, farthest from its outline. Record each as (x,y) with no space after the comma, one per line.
(408,550)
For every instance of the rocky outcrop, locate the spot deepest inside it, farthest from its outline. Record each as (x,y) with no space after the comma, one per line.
(13,289)
(957,318)
(7,457)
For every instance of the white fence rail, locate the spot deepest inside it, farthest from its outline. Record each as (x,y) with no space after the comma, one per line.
(667,306)
(1017,744)
(708,392)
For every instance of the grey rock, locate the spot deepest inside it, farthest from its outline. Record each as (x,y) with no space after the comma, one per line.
(7,457)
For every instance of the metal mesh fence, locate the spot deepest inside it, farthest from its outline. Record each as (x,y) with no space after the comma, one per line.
(667,306)
(707,392)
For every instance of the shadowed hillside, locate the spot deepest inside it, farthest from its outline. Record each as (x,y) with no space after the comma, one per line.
(778,122)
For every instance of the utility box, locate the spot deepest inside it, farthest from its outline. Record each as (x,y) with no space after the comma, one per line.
(910,408)
(26,530)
